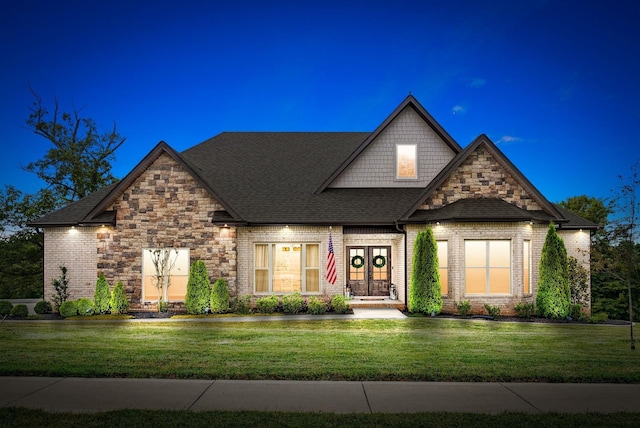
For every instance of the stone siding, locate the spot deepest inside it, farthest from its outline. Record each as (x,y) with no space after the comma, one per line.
(480,176)
(375,166)
(75,249)
(164,207)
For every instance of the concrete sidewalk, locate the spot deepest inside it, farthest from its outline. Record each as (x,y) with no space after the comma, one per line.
(95,395)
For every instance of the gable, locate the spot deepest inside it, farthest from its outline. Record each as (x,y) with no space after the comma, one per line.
(480,175)
(376,165)
(164,195)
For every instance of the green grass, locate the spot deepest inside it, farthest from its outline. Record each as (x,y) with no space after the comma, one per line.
(12,417)
(411,349)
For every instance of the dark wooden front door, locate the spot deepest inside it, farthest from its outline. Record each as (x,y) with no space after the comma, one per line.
(369,270)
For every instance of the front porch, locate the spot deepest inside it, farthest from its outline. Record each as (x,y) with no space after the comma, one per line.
(374,302)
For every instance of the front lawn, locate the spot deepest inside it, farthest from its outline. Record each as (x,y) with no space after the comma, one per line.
(411,349)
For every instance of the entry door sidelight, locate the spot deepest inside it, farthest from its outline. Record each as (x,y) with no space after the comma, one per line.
(369,269)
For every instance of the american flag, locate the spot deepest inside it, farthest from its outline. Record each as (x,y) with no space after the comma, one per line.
(331,263)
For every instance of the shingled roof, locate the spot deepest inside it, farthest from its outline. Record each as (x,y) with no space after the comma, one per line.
(282,177)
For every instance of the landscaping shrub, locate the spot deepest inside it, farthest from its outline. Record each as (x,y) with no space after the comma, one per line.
(61,288)
(198,289)
(554,294)
(267,304)
(463,307)
(575,312)
(524,310)
(119,304)
(425,295)
(241,305)
(219,299)
(69,308)
(42,307)
(5,307)
(86,307)
(493,311)
(292,303)
(19,311)
(316,306)
(101,296)
(339,304)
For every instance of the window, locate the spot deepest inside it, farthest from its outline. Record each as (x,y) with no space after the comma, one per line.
(487,267)
(356,273)
(287,268)
(176,273)
(526,263)
(443,260)
(406,161)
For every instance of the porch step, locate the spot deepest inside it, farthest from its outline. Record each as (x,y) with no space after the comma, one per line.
(375,303)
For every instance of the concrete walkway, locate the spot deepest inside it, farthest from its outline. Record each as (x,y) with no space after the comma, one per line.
(56,394)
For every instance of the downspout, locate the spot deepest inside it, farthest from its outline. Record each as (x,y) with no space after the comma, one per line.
(406,289)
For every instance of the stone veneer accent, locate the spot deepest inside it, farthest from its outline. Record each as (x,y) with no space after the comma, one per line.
(164,207)
(479,176)
(375,166)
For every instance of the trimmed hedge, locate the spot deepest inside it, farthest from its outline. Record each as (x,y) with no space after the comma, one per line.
(119,303)
(102,295)
(219,299)
(316,306)
(292,303)
(198,289)
(86,307)
(267,304)
(339,304)
(5,307)
(42,307)
(69,308)
(20,311)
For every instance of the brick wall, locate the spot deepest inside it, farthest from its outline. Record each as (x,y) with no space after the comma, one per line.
(375,167)
(480,175)
(75,249)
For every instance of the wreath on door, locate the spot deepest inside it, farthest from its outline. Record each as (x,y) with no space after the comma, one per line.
(379,261)
(357,262)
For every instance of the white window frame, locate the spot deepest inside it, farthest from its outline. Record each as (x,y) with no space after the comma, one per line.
(303,268)
(488,267)
(397,162)
(148,269)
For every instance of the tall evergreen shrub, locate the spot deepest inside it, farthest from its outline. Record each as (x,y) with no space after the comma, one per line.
(554,295)
(119,303)
(219,302)
(425,295)
(102,295)
(198,289)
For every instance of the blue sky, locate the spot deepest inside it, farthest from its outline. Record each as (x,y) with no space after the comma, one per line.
(554,83)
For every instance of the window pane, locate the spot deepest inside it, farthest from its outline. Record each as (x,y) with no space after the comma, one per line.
(150,290)
(499,253)
(262,281)
(443,258)
(406,161)
(444,280)
(499,281)
(475,254)
(287,269)
(178,288)
(176,269)
(313,280)
(313,255)
(262,256)
(356,274)
(476,280)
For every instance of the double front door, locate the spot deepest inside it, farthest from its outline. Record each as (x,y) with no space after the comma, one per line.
(369,270)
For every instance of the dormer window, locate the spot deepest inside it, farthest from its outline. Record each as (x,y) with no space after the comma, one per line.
(406,161)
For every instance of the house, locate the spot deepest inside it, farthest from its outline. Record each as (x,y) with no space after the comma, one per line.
(260,209)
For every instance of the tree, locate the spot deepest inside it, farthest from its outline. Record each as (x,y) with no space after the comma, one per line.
(119,303)
(78,164)
(219,297)
(554,296)
(102,295)
(425,295)
(198,289)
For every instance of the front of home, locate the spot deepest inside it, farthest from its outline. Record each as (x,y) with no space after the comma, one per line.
(261,209)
